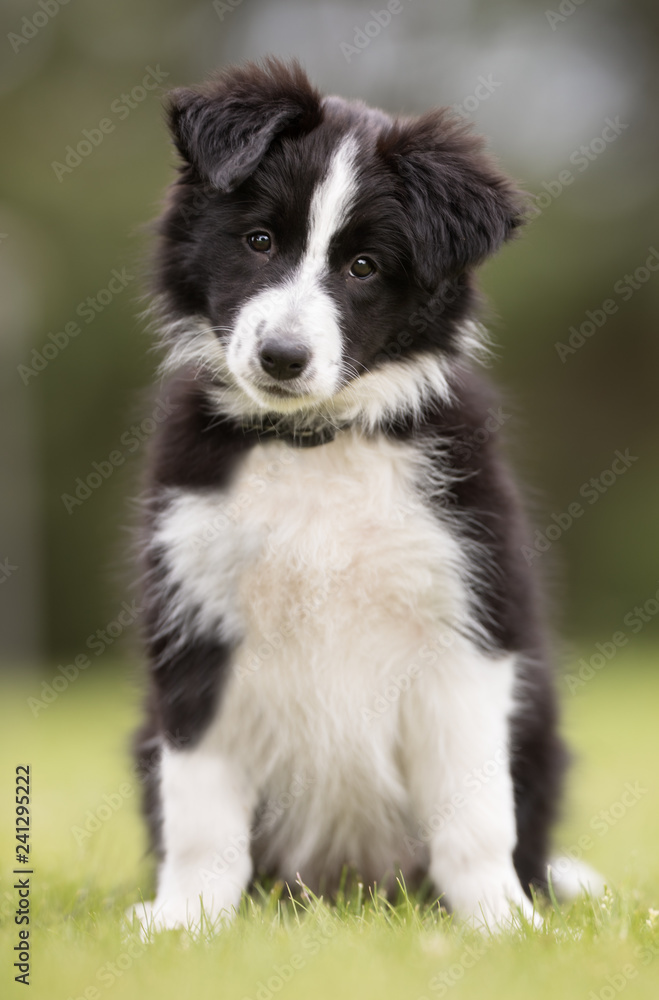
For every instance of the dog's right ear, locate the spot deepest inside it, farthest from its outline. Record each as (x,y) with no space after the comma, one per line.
(224,128)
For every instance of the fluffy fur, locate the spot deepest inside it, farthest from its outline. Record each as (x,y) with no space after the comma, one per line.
(346,661)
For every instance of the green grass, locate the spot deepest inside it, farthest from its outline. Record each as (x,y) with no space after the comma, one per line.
(363,946)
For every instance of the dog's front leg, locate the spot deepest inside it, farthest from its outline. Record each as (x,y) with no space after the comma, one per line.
(471,849)
(462,786)
(207,806)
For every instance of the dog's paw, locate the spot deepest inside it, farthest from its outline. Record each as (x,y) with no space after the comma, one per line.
(571,879)
(509,914)
(501,913)
(203,914)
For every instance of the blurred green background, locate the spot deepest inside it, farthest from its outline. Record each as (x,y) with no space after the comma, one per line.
(567,97)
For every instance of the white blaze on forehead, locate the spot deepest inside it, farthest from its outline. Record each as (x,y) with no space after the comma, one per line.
(300,309)
(331,202)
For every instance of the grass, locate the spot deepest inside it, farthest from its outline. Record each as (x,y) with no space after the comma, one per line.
(362,947)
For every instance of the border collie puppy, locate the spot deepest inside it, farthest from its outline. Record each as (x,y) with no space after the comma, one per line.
(346,663)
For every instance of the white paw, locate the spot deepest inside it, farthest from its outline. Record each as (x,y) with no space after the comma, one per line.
(571,879)
(507,913)
(205,913)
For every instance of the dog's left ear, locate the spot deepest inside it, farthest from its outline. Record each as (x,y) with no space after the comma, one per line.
(461,208)
(224,129)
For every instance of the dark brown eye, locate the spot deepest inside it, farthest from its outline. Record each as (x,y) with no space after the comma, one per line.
(260,242)
(362,267)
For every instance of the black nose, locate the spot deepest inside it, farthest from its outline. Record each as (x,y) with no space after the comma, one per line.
(283,361)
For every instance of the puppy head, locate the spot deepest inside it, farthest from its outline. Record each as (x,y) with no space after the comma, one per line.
(314,249)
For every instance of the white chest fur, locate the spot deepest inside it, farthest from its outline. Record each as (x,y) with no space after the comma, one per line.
(347,518)
(346,598)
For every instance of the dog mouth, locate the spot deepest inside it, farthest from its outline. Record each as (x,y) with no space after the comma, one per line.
(274,395)
(280,391)
(289,389)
